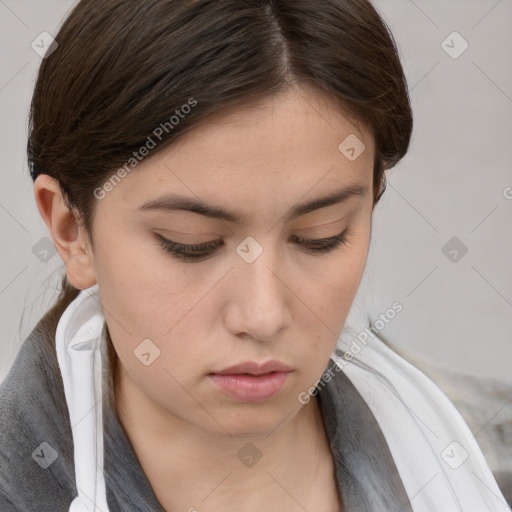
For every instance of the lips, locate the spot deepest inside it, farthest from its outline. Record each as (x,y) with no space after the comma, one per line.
(253,368)
(251,381)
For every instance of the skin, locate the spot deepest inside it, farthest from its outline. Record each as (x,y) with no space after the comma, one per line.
(289,304)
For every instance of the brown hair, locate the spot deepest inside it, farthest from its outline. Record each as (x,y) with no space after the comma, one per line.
(124,67)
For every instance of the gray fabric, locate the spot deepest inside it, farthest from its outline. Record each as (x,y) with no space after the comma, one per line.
(33,411)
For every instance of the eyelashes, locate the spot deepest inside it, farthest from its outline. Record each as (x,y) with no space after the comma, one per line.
(189,252)
(322,245)
(201,251)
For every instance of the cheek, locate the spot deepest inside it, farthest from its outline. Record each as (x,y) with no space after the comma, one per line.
(330,293)
(331,287)
(143,294)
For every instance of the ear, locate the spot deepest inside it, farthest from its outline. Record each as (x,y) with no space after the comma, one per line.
(70,239)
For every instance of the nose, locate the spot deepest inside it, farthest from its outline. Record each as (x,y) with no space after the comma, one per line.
(259,299)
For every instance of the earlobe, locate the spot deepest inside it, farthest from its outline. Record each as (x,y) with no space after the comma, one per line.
(69,238)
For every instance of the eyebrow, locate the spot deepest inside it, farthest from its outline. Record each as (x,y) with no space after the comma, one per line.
(171,203)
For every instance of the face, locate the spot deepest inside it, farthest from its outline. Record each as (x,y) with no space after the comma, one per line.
(264,281)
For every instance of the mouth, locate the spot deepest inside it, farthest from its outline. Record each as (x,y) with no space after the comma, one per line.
(251,381)
(246,387)
(254,368)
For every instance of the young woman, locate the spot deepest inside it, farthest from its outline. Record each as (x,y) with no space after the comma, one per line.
(208,172)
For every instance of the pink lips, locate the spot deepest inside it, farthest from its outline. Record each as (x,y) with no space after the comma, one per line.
(250,381)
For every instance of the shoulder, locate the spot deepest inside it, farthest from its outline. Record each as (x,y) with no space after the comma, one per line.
(36,449)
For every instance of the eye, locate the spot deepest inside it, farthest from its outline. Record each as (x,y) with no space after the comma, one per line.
(189,252)
(322,245)
(202,251)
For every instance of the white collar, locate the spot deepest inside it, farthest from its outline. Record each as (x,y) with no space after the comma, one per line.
(78,344)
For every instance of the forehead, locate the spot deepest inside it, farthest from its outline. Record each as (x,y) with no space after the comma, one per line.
(282,147)
(296,123)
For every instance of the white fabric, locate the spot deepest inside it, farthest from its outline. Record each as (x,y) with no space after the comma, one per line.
(414,413)
(78,339)
(417,419)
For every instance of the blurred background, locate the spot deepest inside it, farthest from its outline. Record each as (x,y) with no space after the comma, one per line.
(442,233)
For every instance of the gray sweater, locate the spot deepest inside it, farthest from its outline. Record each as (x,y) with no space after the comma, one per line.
(36,444)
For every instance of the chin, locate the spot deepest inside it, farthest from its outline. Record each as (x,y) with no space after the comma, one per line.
(247,421)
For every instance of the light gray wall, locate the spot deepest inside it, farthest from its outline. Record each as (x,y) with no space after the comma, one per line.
(453,183)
